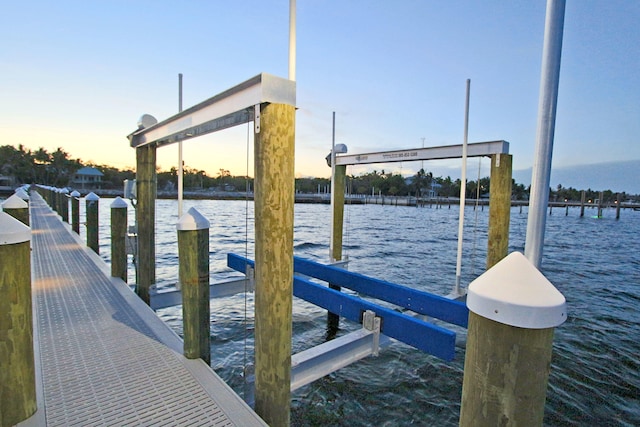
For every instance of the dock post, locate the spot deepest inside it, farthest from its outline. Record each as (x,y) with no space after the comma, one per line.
(64,205)
(337,224)
(566,209)
(17,376)
(23,195)
(193,254)
(600,203)
(75,211)
(92,201)
(17,208)
(582,199)
(618,203)
(274,198)
(499,208)
(513,310)
(118,239)
(146,181)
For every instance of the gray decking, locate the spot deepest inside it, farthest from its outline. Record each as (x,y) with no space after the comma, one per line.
(102,356)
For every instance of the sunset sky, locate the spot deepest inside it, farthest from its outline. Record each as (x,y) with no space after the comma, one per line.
(79,74)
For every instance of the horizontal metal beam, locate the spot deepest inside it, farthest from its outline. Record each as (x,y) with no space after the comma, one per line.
(476,149)
(230,108)
(216,290)
(321,360)
(422,335)
(413,299)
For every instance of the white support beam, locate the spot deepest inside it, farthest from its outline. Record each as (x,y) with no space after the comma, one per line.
(316,362)
(477,149)
(227,109)
(216,290)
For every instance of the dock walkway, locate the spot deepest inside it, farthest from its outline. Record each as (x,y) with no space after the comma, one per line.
(102,356)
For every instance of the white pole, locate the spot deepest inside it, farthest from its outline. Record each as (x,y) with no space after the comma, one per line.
(333,182)
(180,162)
(463,191)
(292,40)
(550,76)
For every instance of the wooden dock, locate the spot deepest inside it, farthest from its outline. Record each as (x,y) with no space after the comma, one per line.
(102,356)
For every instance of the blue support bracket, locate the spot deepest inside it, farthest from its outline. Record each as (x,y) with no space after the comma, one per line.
(422,335)
(421,302)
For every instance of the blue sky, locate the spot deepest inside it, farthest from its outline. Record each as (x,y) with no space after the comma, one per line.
(78,75)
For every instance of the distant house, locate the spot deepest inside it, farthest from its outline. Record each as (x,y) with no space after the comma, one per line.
(88,177)
(6,181)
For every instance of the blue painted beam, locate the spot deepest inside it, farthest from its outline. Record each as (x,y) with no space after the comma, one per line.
(424,336)
(420,302)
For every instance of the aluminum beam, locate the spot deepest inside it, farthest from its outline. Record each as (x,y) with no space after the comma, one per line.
(476,149)
(230,108)
(319,361)
(216,290)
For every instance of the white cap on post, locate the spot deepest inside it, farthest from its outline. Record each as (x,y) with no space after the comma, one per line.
(75,193)
(118,203)
(13,231)
(92,197)
(514,292)
(192,220)
(20,192)
(14,202)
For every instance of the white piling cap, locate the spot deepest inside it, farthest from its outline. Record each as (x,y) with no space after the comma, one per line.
(514,292)
(14,202)
(118,203)
(20,192)
(64,190)
(12,231)
(192,220)
(75,193)
(92,197)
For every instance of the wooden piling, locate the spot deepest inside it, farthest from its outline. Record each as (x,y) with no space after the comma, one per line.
(193,253)
(618,203)
(582,200)
(500,208)
(92,201)
(600,204)
(75,211)
(146,182)
(119,239)
(17,375)
(513,311)
(274,199)
(64,205)
(17,208)
(333,320)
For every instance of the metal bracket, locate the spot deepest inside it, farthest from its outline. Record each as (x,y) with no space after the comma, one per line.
(371,322)
(250,276)
(256,118)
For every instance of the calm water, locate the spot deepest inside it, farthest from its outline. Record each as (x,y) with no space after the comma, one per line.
(595,263)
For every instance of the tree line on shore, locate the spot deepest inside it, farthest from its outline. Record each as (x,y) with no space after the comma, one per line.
(57,168)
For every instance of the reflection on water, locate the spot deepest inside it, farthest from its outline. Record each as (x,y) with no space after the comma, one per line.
(595,263)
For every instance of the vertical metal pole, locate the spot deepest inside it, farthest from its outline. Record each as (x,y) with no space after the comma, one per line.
(551,55)
(17,375)
(180,161)
(146,182)
(119,238)
(499,208)
(193,252)
(333,183)
(292,40)
(463,191)
(274,199)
